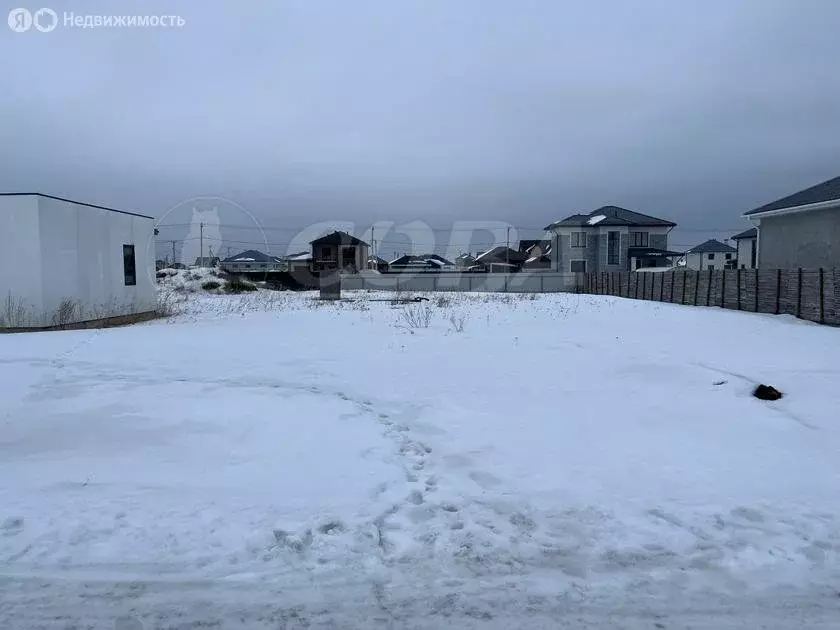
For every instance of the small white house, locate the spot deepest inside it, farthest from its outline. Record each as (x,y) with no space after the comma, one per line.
(64,262)
(747,243)
(711,255)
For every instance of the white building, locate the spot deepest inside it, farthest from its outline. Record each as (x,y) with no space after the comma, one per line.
(64,262)
(747,248)
(711,255)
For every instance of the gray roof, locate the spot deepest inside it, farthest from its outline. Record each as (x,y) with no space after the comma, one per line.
(826,191)
(78,203)
(300,256)
(712,246)
(338,238)
(502,254)
(526,244)
(751,233)
(420,258)
(612,215)
(254,255)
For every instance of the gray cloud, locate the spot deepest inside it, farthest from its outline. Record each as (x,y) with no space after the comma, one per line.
(304,111)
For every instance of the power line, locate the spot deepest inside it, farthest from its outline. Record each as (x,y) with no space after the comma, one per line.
(452,228)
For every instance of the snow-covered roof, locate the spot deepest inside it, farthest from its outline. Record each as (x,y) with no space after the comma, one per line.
(299,257)
(596,219)
(243,260)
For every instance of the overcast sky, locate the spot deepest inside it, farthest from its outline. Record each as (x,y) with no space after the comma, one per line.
(518,111)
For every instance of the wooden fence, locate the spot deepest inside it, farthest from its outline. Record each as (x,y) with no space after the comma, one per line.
(812,294)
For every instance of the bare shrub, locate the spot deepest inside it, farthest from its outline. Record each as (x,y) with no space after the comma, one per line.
(457,322)
(170,303)
(239,285)
(443,301)
(67,312)
(417,316)
(210,285)
(14,313)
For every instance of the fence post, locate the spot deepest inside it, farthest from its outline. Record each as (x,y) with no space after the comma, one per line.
(661,286)
(506,282)
(709,289)
(671,299)
(636,288)
(723,288)
(434,282)
(822,296)
(696,286)
(738,287)
(469,283)
(799,292)
(542,284)
(778,291)
(684,282)
(756,290)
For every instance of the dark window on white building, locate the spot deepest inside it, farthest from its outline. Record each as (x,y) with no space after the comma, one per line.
(577,266)
(578,239)
(129,265)
(640,239)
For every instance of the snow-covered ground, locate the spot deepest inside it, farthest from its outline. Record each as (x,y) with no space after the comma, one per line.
(272,461)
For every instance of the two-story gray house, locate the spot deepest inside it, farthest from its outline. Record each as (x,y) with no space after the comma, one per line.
(610,239)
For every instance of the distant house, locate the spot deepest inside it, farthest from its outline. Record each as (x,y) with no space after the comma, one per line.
(252,261)
(747,246)
(711,254)
(610,239)
(339,250)
(501,259)
(301,261)
(801,230)
(375,263)
(538,252)
(421,262)
(464,261)
(207,261)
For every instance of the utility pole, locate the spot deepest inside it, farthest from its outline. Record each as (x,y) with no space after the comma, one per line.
(173,251)
(371,258)
(201,241)
(507,250)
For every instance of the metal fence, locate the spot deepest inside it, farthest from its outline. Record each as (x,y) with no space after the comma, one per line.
(523,282)
(812,294)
